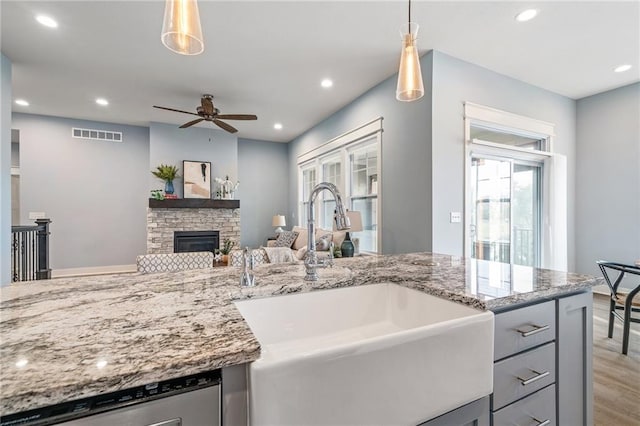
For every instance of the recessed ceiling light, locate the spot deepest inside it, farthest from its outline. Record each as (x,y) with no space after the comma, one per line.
(22,102)
(526,15)
(102,101)
(326,83)
(622,68)
(277,126)
(47,21)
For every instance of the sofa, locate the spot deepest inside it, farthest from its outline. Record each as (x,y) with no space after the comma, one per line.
(298,248)
(324,238)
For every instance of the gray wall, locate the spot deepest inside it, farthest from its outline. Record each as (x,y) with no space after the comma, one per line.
(263,172)
(5,170)
(406,159)
(456,81)
(171,145)
(608,178)
(95,192)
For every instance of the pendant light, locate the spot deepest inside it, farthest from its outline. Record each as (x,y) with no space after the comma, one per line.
(181,30)
(410,86)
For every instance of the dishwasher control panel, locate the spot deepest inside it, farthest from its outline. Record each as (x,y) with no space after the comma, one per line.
(112,400)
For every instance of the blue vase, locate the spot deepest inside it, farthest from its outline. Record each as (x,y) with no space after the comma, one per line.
(168,187)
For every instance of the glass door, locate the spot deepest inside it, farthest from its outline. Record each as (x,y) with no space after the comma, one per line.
(506,205)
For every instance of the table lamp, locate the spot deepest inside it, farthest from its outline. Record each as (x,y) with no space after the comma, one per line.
(279,221)
(347,248)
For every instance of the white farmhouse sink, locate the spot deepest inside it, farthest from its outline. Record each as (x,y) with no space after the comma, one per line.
(378,354)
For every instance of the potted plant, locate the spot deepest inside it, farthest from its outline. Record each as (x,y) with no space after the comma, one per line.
(167,173)
(227,246)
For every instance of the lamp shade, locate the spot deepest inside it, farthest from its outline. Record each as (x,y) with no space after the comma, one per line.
(278,220)
(355,217)
(410,86)
(181,30)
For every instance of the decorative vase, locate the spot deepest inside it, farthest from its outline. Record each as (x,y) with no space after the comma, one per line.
(347,247)
(168,187)
(225,259)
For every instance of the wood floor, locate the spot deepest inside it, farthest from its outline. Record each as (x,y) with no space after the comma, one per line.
(616,377)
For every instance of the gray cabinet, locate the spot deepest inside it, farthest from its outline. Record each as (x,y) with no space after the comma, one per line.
(542,373)
(475,413)
(575,348)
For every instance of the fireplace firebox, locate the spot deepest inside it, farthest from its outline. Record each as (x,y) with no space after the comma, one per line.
(188,241)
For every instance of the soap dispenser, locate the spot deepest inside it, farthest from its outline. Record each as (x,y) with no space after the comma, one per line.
(247,279)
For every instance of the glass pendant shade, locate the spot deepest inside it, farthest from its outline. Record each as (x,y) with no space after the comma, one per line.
(181,30)
(410,86)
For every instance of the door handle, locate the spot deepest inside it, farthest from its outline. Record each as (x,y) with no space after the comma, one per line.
(542,422)
(533,378)
(536,329)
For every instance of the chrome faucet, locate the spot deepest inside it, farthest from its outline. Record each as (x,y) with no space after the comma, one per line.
(311,261)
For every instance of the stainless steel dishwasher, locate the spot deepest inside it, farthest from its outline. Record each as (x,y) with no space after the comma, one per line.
(186,401)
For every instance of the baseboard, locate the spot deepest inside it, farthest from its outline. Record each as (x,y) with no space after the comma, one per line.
(92,270)
(601,289)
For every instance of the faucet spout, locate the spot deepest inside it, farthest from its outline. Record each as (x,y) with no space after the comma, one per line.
(341,219)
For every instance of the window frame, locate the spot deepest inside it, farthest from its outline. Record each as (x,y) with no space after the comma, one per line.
(341,148)
(553,245)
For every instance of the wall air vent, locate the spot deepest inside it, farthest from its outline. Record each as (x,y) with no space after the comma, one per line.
(98,135)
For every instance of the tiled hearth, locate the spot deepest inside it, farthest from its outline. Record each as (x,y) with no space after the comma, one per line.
(162,222)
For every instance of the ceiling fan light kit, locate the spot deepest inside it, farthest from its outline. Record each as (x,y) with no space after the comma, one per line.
(207,112)
(410,86)
(181,30)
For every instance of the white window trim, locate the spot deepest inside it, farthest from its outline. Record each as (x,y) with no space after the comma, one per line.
(554,220)
(342,146)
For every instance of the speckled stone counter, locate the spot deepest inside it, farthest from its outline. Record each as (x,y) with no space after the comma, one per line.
(65,339)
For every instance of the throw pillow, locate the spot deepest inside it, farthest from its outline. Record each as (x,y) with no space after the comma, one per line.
(324,242)
(301,241)
(286,239)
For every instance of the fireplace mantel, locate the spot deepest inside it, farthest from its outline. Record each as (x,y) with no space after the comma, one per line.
(193,203)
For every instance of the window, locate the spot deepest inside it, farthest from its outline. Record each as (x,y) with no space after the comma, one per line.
(351,162)
(308,182)
(331,172)
(364,193)
(515,190)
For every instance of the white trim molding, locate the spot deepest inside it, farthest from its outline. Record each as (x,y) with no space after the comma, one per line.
(351,136)
(92,270)
(493,116)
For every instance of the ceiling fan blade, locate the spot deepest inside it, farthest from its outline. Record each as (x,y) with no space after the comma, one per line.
(237,117)
(191,123)
(225,126)
(207,105)
(176,110)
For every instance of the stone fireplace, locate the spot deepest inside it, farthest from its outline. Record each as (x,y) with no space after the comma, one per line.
(166,217)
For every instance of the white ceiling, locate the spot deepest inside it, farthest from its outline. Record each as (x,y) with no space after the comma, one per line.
(268,58)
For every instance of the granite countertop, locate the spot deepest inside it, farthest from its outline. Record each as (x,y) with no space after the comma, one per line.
(65,339)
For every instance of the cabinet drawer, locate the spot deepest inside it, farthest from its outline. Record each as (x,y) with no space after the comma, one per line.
(520,375)
(524,328)
(536,409)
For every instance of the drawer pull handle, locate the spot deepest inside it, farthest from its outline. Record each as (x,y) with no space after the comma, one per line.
(534,378)
(543,422)
(536,329)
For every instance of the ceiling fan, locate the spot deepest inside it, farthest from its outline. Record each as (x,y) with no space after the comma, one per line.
(207,112)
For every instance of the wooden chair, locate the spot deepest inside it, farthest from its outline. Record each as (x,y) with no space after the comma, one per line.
(621,300)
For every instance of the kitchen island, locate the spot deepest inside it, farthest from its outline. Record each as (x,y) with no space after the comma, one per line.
(65,339)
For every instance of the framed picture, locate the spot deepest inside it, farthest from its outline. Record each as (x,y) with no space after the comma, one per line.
(197,179)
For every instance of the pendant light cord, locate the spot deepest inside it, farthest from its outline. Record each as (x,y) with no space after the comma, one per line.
(409,16)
